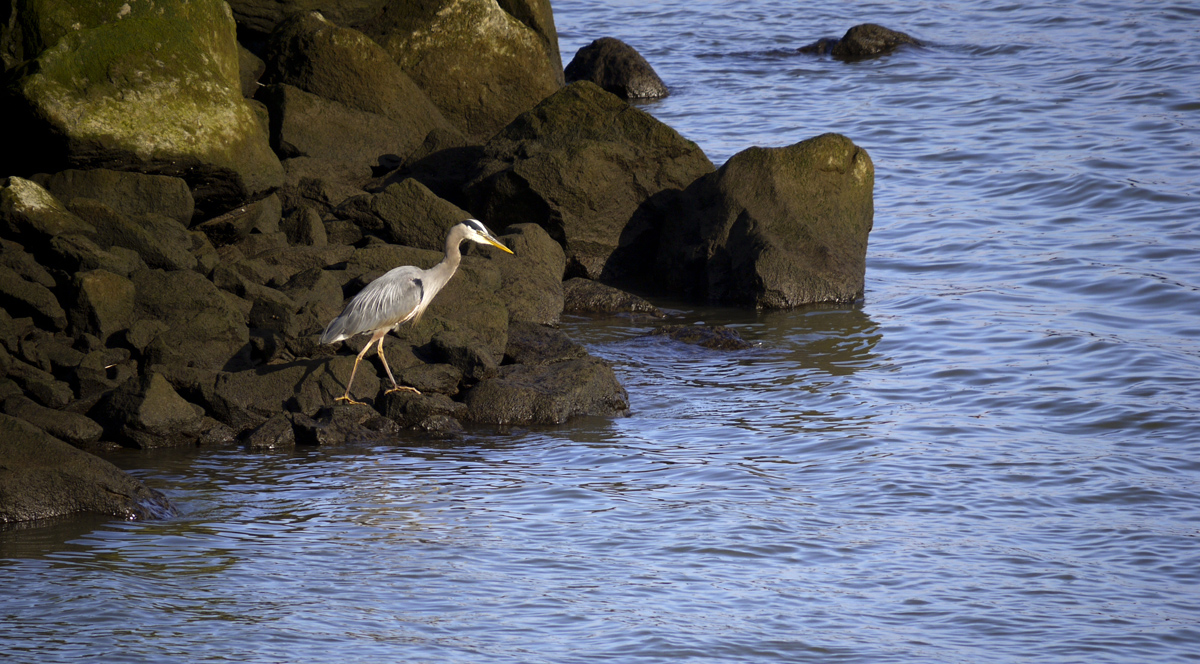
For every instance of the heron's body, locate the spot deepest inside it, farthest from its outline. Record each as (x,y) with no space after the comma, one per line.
(399,296)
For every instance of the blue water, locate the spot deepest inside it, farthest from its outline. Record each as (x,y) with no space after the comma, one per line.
(994,458)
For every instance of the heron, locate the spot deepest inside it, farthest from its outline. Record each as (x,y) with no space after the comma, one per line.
(399,296)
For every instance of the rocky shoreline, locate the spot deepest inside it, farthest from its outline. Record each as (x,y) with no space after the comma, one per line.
(191,194)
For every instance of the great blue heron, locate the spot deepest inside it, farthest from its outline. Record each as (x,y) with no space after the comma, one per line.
(401,295)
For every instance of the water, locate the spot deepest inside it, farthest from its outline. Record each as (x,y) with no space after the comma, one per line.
(995,458)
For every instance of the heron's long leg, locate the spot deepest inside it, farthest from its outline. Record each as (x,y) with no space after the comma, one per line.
(395,386)
(346,397)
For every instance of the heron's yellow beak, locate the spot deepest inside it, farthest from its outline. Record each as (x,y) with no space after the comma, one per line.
(499,246)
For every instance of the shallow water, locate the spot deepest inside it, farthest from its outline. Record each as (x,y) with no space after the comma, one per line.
(994,458)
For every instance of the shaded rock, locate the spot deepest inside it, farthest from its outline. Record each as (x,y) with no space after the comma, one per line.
(276,433)
(443,170)
(149,413)
(343,65)
(250,69)
(618,68)
(161,242)
(261,216)
(591,170)
(78,253)
(549,394)
(823,46)
(322,183)
(32,216)
(861,41)
(426,412)
(43,477)
(406,213)
(774,227)
(102,305)
(465,354)
(716,337)
(304,227)
(215,434)
(203,329)
(430,378)
(14,257)
(501,66)
(41,385)
(342,424)
(128,194)
(317,293)
(73,428)
(264,16)
(584,296)
(26,298)
(534,345)
(531,277)
(149,88)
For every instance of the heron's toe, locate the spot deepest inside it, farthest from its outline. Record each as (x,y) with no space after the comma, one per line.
(403,388)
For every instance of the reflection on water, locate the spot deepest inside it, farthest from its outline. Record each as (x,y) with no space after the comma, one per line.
(992,459)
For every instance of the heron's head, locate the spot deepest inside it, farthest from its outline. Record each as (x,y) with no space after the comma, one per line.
(477,232)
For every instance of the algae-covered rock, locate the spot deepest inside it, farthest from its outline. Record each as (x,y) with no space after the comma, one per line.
(590,169)
(152,87)
(775,227)
(33,217)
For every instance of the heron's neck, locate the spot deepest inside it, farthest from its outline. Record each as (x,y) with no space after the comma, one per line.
(453,257)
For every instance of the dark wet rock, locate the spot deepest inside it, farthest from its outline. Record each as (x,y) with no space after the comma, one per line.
(501,65)
(867,40)
(617,67)
(202,327)
(245,399)
(317,294)
(73,428)
(307,125)
(188,119)
(774,227)
(160,241)
(591,170)
(41,385)
(426,412)
(101,303)
(531,277)
(406,213)
(149,413)
(534,345)
(584,296)
(442,170)
(215,434)
(344,65)
(250,70)
(430,378)
(342,424)
(27,298)
(126,193)
(465,353)
(101,371)
(322,183)
(32,216)
(274,434)
(43,477)
(548,394)
(716,337)
(14,257)
(304,227)
(78,253)
(233,226)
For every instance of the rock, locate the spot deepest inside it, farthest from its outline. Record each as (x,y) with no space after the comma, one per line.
(584,296)
(863,41)
(535,345)
(304,227)
(150,89)
(429,378)
(250,69)
(149,413)
(465,354)
(41,385)
(276,433)
(591,170)
(264,16)
(426,412)
(442,170)
(618,68)
(321,183)
(161,242)
(342,424)
(103,303)
(14,257)
(306,125)
(774,227)
(344,65)
(26,298)
(43,477)
(128,194)
(202,328)
(215,434)
(531,277)
(32,216)
(716,337)
(317,293)
(73,428)
(501,65)
(406,213)
(77,253)
(549,394)
(233,226)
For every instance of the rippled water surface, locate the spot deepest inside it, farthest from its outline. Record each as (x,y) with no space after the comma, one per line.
(995,458)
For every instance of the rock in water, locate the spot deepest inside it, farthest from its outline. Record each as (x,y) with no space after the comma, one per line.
(862,41)
(775,227)
(617,67)
(138,86)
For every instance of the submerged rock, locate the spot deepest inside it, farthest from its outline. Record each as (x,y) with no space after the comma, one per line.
(716,337)
(618,68)
(863,41)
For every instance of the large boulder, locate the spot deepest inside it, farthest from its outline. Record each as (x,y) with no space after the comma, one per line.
(480,64)
(774,227)
(129,194)
(149,413)
(531,277)
(617,67)
(344,65)
(42,477)
(201,328)
(137,86)
(593,171)
(406,213)
(33,217)
(547,394)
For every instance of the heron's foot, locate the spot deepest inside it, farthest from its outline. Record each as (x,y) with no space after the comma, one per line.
(403,388)
(348,399)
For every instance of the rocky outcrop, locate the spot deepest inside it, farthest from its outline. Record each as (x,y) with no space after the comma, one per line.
(618,68)
(863,41)
(774,227)
(593,171)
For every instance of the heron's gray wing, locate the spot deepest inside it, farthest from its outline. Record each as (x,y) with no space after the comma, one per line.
(384,303)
